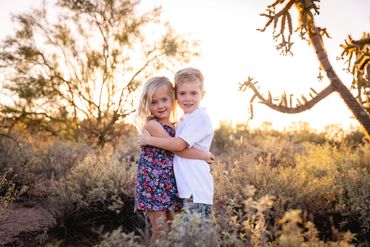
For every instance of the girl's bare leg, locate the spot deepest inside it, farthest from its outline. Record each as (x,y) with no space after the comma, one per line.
(169,216)
(158,221)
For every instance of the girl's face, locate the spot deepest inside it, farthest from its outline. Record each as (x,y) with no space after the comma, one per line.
(189,95)
(161,104)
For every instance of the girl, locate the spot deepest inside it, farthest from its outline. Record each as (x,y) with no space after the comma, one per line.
(156,191)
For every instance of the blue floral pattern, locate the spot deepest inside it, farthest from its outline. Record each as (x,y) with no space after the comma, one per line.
(156,188)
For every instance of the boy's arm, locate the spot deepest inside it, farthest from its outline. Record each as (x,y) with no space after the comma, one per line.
(155,129)
(156,136)
(193,153)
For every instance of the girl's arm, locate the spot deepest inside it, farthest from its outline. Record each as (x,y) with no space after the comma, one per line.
(153,128)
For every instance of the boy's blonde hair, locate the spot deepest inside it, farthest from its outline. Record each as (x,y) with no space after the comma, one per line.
(150,86)
(189,75)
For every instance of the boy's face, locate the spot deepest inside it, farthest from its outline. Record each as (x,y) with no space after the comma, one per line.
(189,95)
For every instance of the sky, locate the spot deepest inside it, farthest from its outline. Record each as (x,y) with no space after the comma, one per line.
(232,49)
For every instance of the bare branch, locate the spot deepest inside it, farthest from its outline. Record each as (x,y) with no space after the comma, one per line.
(283,105)
(11,138)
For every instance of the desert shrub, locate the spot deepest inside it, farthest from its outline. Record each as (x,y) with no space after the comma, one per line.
(244,222)
(301,132)
(126,146)
(9,190)
(355,137)
(61,157)
(244,225)
(242,215)
(99,179)
(185,230)
(97,192)
(17,162)
(253,222)
(189,230)
(226,137)
(329,183)
(347,169)
(35,164)
(260,177)
(265,145)
(295,232)
(119,238)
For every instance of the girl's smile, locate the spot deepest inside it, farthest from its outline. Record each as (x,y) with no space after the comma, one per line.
(161,105)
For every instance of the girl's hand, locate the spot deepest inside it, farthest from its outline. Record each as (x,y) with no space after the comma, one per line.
(210,158)
(142,139)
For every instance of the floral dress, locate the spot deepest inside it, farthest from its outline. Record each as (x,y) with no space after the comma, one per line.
(156,188)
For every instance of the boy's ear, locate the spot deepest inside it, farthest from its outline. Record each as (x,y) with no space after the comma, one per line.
(203,93)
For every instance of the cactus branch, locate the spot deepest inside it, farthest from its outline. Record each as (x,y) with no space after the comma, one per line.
(284,108)
(358,52)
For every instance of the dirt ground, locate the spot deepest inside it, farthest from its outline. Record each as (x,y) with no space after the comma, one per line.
(23,222)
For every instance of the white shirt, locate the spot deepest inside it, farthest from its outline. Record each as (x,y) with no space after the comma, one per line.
(193,177)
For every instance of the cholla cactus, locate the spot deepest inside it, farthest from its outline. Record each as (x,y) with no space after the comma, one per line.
(358,61)
(281,20)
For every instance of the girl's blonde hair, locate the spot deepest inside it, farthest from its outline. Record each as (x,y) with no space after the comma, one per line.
(150,86)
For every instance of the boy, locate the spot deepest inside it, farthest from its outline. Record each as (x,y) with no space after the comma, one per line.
(193,177)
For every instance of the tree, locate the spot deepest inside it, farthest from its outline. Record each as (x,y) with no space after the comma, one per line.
(77,76)
(356,52)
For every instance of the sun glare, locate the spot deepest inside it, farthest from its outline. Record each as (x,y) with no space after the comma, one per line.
(232,49)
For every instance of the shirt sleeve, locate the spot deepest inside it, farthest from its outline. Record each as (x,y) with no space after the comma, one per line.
(197,127)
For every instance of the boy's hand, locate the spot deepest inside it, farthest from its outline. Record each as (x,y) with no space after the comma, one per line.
(142,139)
(210,158)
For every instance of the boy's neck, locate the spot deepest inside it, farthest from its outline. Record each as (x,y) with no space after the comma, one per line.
(185,114)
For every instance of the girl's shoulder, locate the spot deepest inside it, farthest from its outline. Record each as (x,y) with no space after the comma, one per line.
(155,121)
(152,124)
(155,128)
